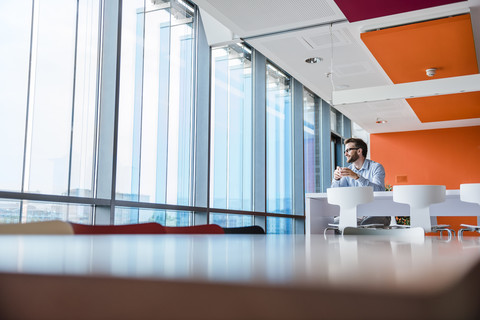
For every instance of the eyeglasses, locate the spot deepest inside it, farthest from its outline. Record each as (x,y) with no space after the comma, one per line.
(349,149)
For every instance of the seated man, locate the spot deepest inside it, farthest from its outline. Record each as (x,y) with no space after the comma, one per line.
(361,172)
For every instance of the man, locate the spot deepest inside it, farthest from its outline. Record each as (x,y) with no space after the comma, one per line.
(361,172)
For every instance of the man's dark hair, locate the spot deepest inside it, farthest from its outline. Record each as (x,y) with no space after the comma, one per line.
(359,143)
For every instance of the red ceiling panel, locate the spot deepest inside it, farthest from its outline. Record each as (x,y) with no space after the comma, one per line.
(356,10)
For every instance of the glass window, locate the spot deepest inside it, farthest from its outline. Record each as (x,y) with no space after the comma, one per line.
(336,153)
(131,215)
(85,99)
(339,123)
(9,211)
(44,211)
(50,115)
(155,157)
(279,225)
(311,143)
(50,95)
(279,142)
(14,62)
(231,220)
(51,54)
(333,121)
(231,143)
(336,121)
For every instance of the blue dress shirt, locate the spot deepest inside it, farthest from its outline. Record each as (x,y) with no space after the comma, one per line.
(371,174)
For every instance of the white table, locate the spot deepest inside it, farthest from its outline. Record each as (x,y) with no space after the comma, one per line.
(237,277)
(318,212)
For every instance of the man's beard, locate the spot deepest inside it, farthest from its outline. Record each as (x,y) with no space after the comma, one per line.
(353,158)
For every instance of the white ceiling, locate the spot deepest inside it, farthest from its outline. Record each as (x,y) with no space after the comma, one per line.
(289,31)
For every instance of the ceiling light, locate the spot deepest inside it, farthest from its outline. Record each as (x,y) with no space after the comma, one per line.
(380,121)
(313,60)
(431,72)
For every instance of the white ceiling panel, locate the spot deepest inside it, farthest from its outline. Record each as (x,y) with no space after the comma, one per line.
(399,116)
(248,18)
(345,66)
(288,32)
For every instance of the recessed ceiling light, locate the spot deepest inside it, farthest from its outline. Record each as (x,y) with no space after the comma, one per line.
(380,121)
(313,60)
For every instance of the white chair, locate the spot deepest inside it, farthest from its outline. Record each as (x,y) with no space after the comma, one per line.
(42,227)
(420,197)
(469,192)
(348,198)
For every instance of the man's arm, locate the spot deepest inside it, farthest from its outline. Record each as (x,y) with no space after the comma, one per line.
(337,179)
(337,183)
(377,178)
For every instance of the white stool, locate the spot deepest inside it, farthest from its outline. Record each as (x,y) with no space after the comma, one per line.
(469,192)
(348,198)
(420,197)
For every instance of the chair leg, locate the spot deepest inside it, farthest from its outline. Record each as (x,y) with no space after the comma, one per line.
(471,229)
(441,234)
(451,233)
(329,228)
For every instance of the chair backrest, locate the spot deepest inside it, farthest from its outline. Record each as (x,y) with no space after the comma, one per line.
(42,227)
(200,229)
(419,197)
(410,233)
(245,230)
(348,198)
(140,228)
(470,192)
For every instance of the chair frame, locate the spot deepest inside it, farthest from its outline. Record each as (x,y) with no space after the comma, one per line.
(468,227)
(424,197)
(348,198)
(469,192)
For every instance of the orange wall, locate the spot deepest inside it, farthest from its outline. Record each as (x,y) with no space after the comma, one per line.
(444,156)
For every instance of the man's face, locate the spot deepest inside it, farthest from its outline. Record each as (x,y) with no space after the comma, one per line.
(351,152)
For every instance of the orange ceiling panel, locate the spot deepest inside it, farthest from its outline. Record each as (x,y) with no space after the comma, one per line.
(447,107)
(405,52)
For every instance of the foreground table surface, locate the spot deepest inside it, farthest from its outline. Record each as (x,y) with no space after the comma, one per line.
(237,276)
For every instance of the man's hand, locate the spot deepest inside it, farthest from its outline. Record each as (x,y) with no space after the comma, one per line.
(337,174)
(345,172)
